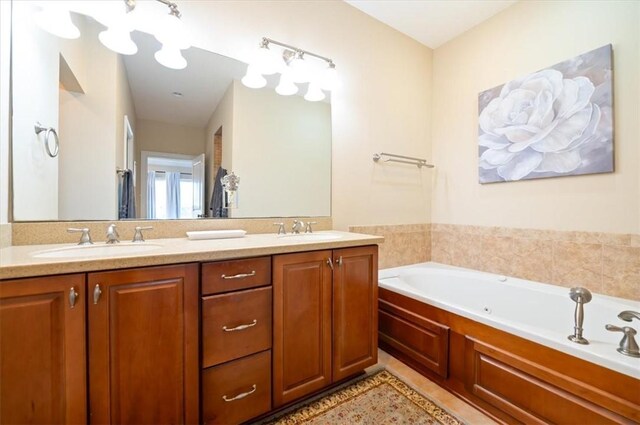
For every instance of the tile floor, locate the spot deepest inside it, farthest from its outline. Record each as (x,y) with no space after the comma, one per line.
(432,390)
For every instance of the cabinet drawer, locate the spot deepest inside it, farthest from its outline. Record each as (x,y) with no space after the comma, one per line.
(235,325)
(225,276)
(237,391)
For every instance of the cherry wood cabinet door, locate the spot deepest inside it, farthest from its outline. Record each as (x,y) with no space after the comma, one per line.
(42,350)
(143,346)
(355,310)
(301,325)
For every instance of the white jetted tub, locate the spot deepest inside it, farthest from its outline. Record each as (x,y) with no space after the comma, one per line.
(535,311)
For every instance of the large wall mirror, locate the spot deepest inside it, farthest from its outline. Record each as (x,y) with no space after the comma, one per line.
(138,140)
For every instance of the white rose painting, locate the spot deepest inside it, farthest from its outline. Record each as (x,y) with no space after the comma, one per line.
(555,122)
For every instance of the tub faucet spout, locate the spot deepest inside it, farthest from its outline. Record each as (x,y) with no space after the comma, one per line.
(629,315)
(581,296)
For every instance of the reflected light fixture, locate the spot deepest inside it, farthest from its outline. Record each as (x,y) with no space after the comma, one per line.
(118,35)
(286,87)
(314,93)
(254,79)
(55,18)
(292,63)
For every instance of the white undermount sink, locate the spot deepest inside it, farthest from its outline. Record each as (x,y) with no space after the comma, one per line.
(324,236)
(97,250)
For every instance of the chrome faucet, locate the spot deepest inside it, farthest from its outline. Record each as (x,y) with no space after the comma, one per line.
(628,345)
(138,236)
(85,238)
(628,315)
(281,229)
(297,226)
(112,234)
(581,296)
(309,229)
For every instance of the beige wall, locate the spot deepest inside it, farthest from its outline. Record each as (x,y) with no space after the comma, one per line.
(526,37)
(282,154)
(88,134)
(5,49)
(383,104)
(168,138)
(35,99)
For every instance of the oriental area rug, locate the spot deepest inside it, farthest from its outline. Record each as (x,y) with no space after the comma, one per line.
(380,399)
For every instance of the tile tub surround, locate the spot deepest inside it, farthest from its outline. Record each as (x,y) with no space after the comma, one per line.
(403,243)
(53,232)
(605,263)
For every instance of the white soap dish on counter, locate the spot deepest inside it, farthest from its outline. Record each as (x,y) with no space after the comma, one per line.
(216,234)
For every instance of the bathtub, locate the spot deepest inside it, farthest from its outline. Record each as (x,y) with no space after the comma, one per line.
(535,311)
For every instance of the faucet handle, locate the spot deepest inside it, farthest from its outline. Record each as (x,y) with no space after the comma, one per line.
(308,228)
(628,315)
(138,236)
(628,345)
(85,238)
(281,229)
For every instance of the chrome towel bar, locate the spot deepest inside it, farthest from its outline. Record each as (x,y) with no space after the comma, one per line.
(419,162)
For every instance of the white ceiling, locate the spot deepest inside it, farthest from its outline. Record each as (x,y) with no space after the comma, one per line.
(202,83)
(431,22)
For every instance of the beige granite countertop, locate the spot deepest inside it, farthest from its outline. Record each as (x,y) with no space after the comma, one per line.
(18,261)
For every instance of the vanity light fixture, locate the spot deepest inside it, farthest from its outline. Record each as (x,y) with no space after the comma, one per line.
(254,79)
(55,18)
(292,63)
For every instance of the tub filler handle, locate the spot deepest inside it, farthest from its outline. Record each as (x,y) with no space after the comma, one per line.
(581,296)
(628,345)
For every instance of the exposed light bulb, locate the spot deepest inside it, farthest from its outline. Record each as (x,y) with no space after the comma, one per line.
(56,19)
(265,61)
(171,58)
(286,87)
(329,77)
(253,79)
(300,69)
(314,93)
(118,39)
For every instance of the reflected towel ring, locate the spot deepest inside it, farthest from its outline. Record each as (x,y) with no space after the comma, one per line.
(49,130)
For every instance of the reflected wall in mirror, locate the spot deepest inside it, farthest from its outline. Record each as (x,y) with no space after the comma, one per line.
(138,140)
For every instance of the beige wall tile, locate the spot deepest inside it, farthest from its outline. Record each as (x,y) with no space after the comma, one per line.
(577,264)
(442,244)
(532,259)
(496,254)
(403,243)
(466,250)
(621,271)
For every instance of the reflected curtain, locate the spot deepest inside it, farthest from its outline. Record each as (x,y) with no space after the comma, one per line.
(173,194)
(151,194)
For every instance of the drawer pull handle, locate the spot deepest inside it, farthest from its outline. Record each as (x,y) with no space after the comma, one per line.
(239,275)
(241,395)
(241,327)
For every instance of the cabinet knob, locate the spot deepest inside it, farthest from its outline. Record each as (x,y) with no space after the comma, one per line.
(339,260)
(96,294)
(73,297)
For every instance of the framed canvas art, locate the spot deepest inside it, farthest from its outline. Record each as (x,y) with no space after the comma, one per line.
(551,123)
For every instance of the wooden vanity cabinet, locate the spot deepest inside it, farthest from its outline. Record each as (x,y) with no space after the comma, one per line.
(325,319)
(42,350)
(143,346)
(237,305)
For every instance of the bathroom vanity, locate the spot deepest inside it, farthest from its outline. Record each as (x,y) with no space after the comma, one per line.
(205,335)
